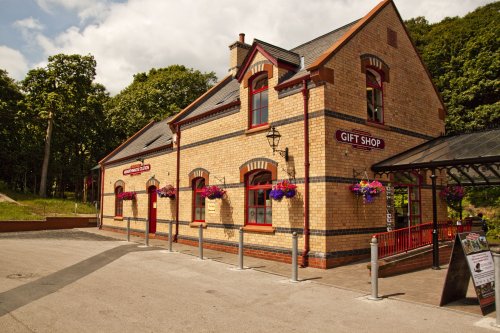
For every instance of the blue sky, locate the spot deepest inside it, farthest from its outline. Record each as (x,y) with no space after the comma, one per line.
(131,36)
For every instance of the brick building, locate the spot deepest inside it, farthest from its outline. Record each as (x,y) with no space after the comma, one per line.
(341,103)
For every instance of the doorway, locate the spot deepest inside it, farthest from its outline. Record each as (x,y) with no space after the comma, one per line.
(152,209)
(407,210)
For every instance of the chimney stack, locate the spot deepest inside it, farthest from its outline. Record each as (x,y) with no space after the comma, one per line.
(238,52)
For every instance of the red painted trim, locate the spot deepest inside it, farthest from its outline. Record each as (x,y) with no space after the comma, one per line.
(286,65)
(210,112)
(248,188)
(381,89)
(126,142)
(195,191)
(251,93)
(293,82)
(177,181)
(305,95)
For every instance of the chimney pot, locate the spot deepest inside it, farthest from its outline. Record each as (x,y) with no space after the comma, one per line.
(242,38)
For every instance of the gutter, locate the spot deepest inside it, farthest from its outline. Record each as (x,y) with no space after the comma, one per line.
(177,182)
(305,252)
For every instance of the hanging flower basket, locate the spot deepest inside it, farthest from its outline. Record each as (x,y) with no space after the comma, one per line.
(453,195)
(127,196)
(167,192)
(283,189)
(213,192)
(369,190)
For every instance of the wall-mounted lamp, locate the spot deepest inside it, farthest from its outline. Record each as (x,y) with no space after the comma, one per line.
(273,137)
(140,159)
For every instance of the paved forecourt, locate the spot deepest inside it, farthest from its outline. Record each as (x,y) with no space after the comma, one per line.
(74,281)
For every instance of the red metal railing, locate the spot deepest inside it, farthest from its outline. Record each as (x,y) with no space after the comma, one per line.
(406,239)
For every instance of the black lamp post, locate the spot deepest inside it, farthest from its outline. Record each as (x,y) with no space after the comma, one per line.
(273,137)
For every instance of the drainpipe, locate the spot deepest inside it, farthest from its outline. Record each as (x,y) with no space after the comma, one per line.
(178,133)
(102,196)
(305,253)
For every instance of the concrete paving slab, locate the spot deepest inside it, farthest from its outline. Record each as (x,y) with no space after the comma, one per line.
(115,286)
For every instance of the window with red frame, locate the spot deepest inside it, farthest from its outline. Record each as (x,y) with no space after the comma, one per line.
(118,202)
(375,108)
(198,200)
(259,101)
(259,204)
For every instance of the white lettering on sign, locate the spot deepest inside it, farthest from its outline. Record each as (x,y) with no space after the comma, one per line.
(359,139)
(136,169)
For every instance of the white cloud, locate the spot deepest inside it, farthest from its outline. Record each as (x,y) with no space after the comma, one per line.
(13,62)
(135,36)
(86,9)
(29,23)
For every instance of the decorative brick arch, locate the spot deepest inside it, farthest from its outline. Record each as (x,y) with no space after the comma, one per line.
(199,172)
(261,66)
(369,60)
(259,164)
(119,183)
(152,182)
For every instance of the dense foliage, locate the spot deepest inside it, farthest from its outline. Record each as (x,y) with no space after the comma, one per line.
(155,96)
(58,123)
(462,55)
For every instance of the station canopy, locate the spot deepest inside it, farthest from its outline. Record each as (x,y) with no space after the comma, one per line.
(471,159)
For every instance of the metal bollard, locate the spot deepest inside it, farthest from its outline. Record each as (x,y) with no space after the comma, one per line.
(240,250)
(170,236)
(147,232)
(200,242)
(295,266)
(374,270)
(496,258)
(128,229)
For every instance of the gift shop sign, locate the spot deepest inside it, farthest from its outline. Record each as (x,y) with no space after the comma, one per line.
(136,169)
(359,139)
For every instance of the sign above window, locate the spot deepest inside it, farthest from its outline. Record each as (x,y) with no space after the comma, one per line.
(359,139)
(136,169)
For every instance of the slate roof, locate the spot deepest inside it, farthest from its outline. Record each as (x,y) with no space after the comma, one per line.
(157,135)
(226,93)
(316,47)
(279,53)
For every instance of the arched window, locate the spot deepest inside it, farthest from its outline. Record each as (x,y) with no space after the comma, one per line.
(198,200)
(118,202)
(259,101)
(258,204)
(375,108)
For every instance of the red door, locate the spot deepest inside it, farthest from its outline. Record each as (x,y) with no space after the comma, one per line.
(152,209)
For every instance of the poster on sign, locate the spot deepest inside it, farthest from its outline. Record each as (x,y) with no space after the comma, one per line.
(470,258)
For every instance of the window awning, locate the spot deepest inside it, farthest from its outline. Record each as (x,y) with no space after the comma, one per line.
(471,159)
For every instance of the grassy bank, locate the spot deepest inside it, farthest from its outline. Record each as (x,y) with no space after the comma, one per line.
(32,207)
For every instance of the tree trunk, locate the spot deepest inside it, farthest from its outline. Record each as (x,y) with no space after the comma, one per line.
(46,157)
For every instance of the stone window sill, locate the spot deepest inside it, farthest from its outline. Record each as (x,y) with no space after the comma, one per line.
(259,229)
(118,218)
(377,125)
(197,224)
(258,129)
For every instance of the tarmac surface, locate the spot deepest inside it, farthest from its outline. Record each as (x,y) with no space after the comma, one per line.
(89,280)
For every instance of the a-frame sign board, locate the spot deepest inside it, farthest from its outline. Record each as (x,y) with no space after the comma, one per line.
(471,256)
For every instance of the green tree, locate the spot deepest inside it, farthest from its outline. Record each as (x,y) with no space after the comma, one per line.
(463,57)
(64,96)
(12,145)
(155,96)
